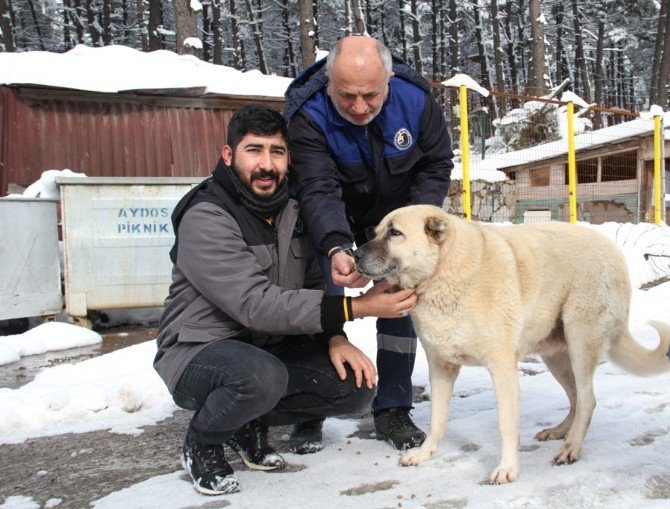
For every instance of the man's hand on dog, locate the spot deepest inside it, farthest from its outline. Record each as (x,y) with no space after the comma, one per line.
(344,273)
(341,351)
(384,300)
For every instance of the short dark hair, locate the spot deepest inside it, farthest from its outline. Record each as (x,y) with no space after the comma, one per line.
(254,119)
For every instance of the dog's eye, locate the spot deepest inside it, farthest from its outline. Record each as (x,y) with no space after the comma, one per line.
(393,232)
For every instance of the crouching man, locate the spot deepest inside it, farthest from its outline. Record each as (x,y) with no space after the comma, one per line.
(248,338)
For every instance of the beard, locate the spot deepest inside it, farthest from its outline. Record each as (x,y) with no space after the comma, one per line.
(248,181)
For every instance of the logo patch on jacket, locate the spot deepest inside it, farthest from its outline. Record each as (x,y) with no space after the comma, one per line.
(402,139)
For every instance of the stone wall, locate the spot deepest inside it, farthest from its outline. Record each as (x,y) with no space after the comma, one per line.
(493,202)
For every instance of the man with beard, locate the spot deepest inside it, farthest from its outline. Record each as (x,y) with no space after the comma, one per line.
(249,338)
(366,137)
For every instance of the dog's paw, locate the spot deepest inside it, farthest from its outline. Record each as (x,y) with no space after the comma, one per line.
(504,474)
(550,434)
(414,457)
(567,454)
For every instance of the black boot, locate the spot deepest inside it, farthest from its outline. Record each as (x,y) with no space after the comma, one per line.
(307,437)
(395,426)
(211,473)
(251,443)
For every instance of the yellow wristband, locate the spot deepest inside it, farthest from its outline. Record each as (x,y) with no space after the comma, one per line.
(346,309)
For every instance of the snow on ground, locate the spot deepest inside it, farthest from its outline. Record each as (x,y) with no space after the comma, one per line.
(624,464)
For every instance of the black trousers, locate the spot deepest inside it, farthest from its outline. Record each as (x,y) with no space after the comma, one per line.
(230,383)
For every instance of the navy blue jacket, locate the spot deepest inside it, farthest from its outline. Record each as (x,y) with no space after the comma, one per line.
(348,177)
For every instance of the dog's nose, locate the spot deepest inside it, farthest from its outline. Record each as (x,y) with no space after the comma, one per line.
(358,254)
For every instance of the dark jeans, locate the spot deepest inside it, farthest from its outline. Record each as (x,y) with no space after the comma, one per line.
(396,352)
(230,383)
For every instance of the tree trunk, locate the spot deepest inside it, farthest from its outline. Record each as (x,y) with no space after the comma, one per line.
(416,37)
(256,28)
(106,22)
(497,60)
(91,12)
(357,12)
(453,37)
(658,53)
(403,33)
(580,60)
(307,47)
(511,54)
(7,43)
(561,71)
(185,20)
(598,74)
(435,48)
(315,21)
(481,52)
(155,24)
(347,18)
(38,27)
(536,84)
(663,73)
(217,33)
(142,25)
(289,54)
(206,32)
(238,48)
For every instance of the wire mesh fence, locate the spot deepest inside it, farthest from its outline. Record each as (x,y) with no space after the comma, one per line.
(519,165)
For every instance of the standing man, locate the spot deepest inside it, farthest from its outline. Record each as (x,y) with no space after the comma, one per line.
(248,337)
(366,137)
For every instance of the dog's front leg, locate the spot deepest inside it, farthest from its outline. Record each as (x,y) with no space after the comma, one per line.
(442,376)
(506,386)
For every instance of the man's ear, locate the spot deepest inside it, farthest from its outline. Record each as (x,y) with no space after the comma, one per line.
(436,228)
(227,155)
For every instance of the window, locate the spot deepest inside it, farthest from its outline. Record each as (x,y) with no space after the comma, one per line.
(539,177)
(619,167)
(587,171)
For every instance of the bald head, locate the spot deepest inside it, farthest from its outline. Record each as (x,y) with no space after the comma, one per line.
(361,51)
(358,70)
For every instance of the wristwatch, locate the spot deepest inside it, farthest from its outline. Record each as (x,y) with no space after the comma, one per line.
(344,248)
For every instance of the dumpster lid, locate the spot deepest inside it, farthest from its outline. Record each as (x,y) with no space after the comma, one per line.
(88,181)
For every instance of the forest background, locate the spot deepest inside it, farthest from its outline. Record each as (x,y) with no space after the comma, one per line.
(612,53)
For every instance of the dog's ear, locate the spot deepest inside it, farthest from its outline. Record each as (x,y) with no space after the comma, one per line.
(436,228)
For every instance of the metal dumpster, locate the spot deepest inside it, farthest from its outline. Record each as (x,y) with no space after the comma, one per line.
(29,261)
(117,235)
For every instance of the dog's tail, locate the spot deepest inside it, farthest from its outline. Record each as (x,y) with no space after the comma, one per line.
(634,358)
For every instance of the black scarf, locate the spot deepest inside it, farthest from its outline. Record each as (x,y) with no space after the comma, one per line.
(262,207)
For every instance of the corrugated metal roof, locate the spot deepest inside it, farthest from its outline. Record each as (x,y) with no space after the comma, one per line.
(109,134)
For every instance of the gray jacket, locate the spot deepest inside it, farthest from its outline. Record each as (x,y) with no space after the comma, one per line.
(223,288)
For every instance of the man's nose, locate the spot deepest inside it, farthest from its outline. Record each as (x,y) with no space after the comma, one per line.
(265,161)
(360,106)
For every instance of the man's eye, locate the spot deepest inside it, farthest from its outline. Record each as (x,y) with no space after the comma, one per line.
(394,233)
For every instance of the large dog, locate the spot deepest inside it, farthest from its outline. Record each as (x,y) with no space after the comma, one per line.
(490,295)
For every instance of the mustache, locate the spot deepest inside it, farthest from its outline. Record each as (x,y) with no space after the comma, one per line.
(264,173)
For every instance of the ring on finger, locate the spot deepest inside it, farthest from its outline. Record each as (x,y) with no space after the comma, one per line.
(404,312)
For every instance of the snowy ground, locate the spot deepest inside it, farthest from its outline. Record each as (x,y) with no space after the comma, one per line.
(625,463)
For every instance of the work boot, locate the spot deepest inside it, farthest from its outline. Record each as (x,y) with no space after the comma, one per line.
(211,473)
(251,443)
(306,437)
(395,426)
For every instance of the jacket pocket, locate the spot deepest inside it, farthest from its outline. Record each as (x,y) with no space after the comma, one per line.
(206,332)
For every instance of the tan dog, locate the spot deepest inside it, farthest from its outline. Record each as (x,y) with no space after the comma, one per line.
(490,295)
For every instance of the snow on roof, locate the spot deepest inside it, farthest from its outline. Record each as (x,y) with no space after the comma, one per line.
(113,69)
(591,139)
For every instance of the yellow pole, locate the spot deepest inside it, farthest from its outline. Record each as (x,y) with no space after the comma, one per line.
(465,149)
(658,195)
(572,165)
